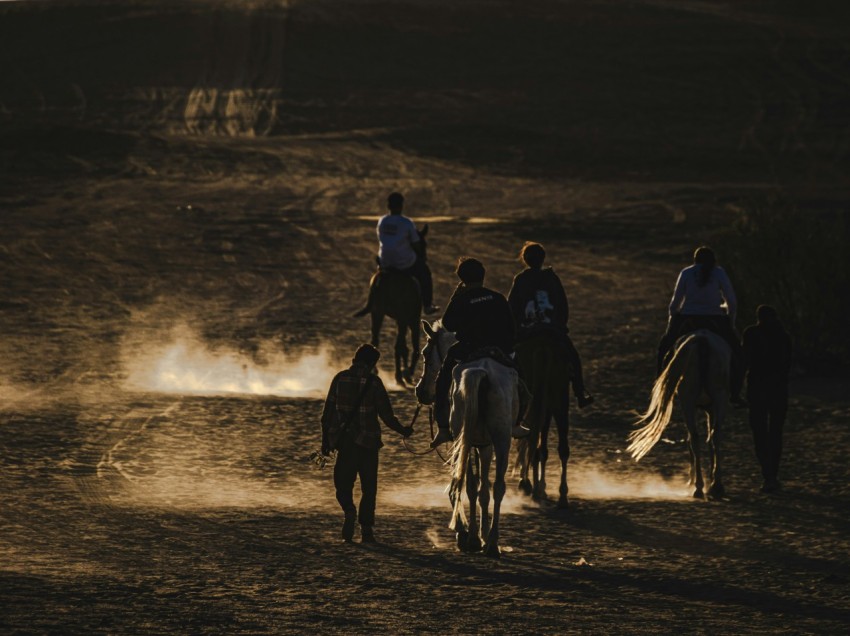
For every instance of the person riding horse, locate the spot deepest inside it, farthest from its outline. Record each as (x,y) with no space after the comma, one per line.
(704,299)
(400,248)
(480,318)
(539,306)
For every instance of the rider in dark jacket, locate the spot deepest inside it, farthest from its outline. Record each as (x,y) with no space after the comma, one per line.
(539,306)
(479,317)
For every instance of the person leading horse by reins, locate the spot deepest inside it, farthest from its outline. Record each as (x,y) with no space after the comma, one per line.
(401,248)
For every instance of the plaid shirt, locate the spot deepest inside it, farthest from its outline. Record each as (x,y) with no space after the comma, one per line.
(342,396)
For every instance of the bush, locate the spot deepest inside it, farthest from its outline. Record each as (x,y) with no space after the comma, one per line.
(799,262)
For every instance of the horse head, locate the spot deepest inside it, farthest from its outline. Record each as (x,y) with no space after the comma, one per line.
(437,343)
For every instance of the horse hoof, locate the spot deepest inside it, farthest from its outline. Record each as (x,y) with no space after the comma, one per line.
(539,494)
(563,503)
(698,494)
(462,540)
(716,492)
(492,551)
(474,544)
(525,487)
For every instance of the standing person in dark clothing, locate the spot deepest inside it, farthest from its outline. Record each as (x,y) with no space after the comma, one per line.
(539,306)
(350,426)
(767,354)
(479,317)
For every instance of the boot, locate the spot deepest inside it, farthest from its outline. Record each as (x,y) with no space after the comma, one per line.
(584,399)
(367,535)
(443,436)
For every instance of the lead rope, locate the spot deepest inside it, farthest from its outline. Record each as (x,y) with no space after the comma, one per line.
(431,427)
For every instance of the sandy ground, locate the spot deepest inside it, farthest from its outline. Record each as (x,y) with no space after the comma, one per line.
(173,307)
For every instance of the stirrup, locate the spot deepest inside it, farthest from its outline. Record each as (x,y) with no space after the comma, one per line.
(519,431)
(443,436)
(584,399)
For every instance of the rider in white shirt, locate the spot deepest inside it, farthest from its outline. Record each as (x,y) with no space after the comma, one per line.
(704,299)
(401,248)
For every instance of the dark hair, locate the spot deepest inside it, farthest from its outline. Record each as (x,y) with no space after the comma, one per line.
(470,270)
(766,313)
(395,200)
(533,254)
(367,354)
(704,257)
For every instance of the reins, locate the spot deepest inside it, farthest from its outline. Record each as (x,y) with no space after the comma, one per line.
(431,426)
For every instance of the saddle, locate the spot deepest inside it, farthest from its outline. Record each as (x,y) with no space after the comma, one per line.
(492,352)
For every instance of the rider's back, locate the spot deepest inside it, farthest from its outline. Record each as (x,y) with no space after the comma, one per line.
(396,235)
(480,317)
(538,301)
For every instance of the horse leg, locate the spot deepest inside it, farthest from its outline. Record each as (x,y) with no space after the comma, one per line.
(524,485)
(562,421)
(461,532)
(693,447)
(400,354)
(473,541)
(542,458)
(377,322)
(485,456)
(499,487)
(715,489)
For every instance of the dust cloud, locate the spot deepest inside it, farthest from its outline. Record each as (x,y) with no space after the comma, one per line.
(592,482)
(186,365)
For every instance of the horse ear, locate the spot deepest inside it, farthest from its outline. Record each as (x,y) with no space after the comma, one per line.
(429,330)
(423,231)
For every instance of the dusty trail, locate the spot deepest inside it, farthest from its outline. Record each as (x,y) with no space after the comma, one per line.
(173,306)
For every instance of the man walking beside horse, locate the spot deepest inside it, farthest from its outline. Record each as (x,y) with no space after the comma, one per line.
(356,399)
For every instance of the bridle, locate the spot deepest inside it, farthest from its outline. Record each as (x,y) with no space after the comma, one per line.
(433,345)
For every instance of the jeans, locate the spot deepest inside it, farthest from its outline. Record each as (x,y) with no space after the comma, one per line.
(353,460)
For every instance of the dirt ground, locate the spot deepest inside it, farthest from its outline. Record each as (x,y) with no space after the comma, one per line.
(174,304)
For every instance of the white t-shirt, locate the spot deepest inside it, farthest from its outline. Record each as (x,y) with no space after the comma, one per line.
(396,235)
(715,298)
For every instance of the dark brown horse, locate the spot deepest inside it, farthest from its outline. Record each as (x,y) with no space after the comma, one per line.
(397,295)
(547,372)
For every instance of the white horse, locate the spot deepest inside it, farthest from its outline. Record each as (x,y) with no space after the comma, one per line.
(698,373)
(484,407)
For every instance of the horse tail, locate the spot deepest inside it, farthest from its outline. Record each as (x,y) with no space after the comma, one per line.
(470,384)
(367,309)
(371,300)
(660,410)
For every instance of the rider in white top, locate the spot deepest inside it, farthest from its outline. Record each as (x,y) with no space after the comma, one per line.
(402,248)
(397,235)
(715,297)
(704,299)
